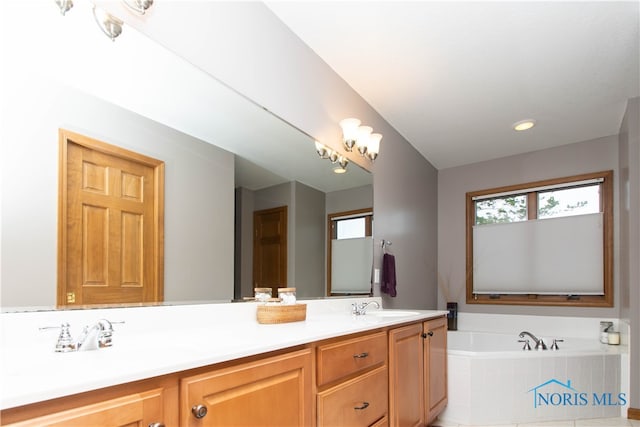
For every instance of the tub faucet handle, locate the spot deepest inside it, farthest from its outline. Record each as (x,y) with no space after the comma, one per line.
(554,346)
(526,344)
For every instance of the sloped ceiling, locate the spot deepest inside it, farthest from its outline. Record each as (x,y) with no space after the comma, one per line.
(452,77)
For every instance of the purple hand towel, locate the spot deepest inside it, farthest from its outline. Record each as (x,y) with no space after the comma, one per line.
(388,285)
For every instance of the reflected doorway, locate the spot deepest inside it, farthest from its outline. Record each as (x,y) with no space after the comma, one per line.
(270,249)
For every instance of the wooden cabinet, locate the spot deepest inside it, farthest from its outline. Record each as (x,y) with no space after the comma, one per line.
(417,372)
(352,381)
(274,391)
(406,376)
(392,376)
(435,362)
(138,409)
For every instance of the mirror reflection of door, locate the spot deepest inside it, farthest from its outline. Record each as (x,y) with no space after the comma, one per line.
(349,252)
(270,249)
(111,228)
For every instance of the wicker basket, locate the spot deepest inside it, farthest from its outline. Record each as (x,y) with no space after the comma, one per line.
(269,314)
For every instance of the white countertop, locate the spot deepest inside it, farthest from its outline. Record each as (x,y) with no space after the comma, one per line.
(156,341)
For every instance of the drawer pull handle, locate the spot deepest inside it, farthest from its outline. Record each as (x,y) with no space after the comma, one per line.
(199,411)
(361,355)
(428,334)
(364,405)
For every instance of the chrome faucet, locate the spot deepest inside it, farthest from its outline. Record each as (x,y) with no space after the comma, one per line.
(540,345)
(361,308)
(99,335)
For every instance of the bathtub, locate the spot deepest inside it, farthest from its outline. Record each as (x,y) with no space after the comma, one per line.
(492,381)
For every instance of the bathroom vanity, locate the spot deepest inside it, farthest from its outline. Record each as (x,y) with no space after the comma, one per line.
(332,369)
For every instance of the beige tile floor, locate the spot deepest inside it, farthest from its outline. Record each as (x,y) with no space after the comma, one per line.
(596,422)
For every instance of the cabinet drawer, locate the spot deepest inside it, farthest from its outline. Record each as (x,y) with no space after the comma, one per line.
(341,359)
(361,401)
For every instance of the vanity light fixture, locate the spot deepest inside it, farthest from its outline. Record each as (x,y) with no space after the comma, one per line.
(353,134)
(138,6)
(374,146)
(109,24)
(64,6)
(349,132)
(322,151)
(333,156)
(342,165)
(523,125)
(364,134)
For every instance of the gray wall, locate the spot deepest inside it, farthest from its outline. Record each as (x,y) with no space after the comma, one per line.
(405,196)
(198,194)
(308,255)
(589,156)
(349,200)
(629,185)
(243,260)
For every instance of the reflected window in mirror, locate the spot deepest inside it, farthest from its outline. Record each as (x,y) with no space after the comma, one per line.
(349,252)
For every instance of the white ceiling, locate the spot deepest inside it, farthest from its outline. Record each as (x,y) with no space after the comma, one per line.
(452,77)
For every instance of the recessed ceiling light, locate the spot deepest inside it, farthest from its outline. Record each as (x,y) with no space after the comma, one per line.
(524,124)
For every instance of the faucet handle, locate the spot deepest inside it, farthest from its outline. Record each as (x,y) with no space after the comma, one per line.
(526,344)
(65,343)
(540,345)
(105,336)
(554,346)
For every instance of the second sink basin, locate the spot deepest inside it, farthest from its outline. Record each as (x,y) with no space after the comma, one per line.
(391,313)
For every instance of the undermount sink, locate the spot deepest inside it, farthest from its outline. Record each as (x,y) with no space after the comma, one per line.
(391,313)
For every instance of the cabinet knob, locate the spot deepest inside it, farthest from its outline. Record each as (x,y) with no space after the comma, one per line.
(428,334)
(156,425)
(199,411)
(364,405)
(361,355)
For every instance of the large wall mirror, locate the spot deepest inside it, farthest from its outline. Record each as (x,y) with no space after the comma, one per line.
(225,157)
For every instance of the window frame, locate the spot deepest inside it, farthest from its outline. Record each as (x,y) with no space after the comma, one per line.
(606,201)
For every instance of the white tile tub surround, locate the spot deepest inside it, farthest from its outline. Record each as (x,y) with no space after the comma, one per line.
(489,384)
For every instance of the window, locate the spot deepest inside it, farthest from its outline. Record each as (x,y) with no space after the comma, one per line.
(542,243)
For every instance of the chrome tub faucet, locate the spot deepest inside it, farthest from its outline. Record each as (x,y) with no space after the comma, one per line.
(540,345)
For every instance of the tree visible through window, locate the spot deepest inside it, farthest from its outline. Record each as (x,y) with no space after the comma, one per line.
(501,209)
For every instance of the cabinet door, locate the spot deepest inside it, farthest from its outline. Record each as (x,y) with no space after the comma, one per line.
(435,362)
(406,372)
(139,409)
(275,391)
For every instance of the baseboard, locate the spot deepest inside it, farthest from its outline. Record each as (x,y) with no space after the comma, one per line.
(633,414)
